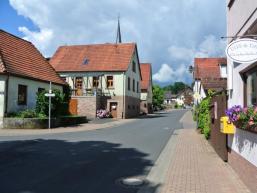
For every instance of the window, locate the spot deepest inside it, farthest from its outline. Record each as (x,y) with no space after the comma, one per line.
(39,90)
(251,84)
(63,78)
(85,61)
(128,83)
(134,66)
(95,81)
(109,82)
(137,87)
(223,71)
(133,85)
(78,84)
(22,94)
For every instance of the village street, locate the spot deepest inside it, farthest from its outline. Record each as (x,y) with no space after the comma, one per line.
(86,161)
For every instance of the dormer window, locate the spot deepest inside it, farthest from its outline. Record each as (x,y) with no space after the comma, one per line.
(85,61)
(223,70)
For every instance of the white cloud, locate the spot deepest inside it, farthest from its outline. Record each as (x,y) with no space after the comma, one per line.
(42,39)
(167,74)
(166,31)
(209,47)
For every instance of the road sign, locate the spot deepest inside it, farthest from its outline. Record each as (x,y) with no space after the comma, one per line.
(50,95)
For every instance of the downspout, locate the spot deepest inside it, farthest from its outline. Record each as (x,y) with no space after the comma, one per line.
(6,93)
(123,101)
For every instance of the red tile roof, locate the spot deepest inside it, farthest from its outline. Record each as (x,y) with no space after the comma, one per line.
(208,67)
(146,71)
(215,84)
(21,58)
(100,57)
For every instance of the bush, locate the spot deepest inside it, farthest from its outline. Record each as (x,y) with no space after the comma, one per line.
(28,113)
(59,103)
(204,119)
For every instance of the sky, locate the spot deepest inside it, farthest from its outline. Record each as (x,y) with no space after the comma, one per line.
(168,33)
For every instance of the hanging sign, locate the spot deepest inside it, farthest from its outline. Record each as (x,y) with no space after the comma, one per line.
(242,50)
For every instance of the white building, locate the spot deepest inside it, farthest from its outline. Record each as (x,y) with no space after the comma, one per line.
(209,74)
(23,72)
(242,86)
(146,104)
(102,76)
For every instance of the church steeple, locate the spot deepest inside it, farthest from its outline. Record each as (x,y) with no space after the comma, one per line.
(118,37)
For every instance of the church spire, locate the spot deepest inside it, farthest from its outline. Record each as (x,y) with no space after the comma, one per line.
(118,37)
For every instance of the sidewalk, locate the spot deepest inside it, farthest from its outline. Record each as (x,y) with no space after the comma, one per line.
(92,125)
(196,168)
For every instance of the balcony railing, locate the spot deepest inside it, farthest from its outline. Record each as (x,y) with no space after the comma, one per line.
(89,92)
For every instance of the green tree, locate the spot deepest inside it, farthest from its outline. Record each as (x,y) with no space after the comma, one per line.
(176,87)
(179,86)
(158,96)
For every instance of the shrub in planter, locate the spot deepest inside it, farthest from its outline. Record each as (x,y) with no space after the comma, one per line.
(28,113)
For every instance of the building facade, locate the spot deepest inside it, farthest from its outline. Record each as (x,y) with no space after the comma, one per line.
(242,86)
(23,73)
(146,105)
(208,74)
(101,76)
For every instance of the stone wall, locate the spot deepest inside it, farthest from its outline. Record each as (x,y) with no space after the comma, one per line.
(131,106)
(36,123)
(88,105)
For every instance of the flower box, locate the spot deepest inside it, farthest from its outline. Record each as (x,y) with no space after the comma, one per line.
(243,118)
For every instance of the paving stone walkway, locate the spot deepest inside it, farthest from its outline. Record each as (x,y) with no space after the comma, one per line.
(196,168)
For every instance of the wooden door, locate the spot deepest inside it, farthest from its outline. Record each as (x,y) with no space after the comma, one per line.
(73,106)
(113,109)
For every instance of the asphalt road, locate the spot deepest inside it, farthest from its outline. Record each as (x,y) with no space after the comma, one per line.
(87,161)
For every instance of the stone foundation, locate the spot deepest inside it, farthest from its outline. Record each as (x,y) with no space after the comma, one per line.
(131,106)
(246,171)
(128,107)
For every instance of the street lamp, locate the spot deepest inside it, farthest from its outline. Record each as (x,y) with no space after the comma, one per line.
(191,69)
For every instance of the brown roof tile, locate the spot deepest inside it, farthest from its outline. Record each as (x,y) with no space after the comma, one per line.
(100,57)
(146,72)
(21,58)
(216,84)
(208,67)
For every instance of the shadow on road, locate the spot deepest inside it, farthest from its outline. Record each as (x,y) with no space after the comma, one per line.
(53,166)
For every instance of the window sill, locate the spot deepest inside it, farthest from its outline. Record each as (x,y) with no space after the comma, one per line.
(110,88)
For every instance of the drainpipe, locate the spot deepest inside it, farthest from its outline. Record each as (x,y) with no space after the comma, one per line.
(6,93)
(123,101)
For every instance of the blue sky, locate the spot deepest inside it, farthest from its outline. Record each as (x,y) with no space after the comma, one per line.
(10,20)
(169,33)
